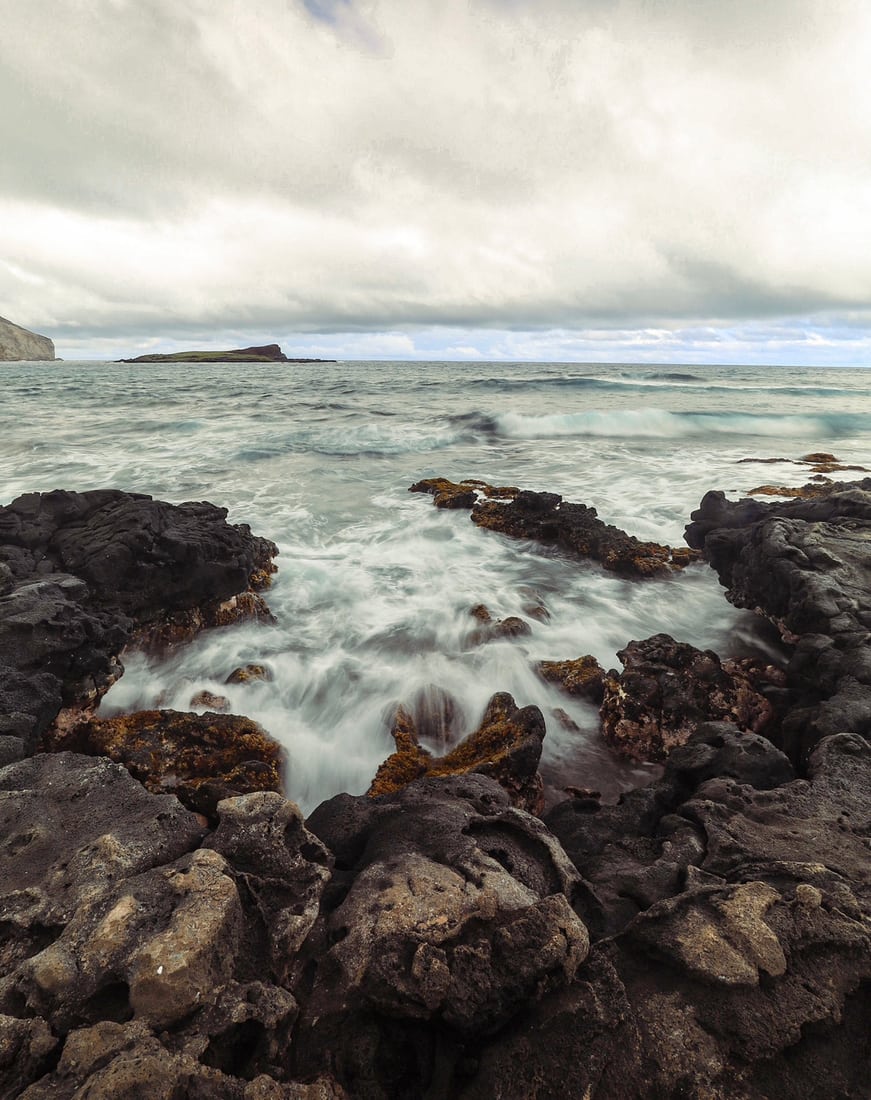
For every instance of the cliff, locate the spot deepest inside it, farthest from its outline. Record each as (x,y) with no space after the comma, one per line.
(18,344)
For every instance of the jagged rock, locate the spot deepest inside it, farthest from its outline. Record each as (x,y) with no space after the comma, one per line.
(448,906)
(116,925)
(506,746)
(84,574)
(583,677)
(806,566)
(547,518)
(666,689)
(462,494)
(201,758)
(20,344)
(207,700)
(640,850)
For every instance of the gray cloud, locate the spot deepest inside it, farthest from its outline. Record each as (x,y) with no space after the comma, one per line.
(328,166)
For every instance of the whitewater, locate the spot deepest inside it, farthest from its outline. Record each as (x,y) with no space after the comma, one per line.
(375,586)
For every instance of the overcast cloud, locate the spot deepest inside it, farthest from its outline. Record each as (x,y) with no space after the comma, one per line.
(594,179)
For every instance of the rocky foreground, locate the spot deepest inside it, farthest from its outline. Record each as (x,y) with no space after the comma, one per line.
(170,926)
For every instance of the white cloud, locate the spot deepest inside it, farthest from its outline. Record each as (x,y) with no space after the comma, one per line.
(331,166)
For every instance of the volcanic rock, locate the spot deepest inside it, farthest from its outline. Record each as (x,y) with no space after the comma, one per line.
(666,689)
(448,906)
(116,924)
(806,566)
(583,677)
(546,518)
(201,758)
(506,746)
(84,574)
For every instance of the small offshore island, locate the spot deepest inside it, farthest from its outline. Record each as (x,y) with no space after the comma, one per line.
(267,353)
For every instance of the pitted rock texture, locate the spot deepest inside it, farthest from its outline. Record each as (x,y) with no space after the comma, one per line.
(200,758)
(447,905)
(137,956)
(506,746)
(84,574)
(806,565)
(667,688)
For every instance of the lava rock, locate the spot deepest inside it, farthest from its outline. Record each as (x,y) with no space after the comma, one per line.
(201,758)
(666,689)
(506,746)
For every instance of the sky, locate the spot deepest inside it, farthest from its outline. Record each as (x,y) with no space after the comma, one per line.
(572,180)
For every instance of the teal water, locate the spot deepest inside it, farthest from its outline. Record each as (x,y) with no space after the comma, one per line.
(374,584)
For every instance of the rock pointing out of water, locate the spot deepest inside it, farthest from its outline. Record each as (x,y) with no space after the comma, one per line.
(18,344)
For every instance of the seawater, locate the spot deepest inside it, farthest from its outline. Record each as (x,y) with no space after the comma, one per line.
(375,585)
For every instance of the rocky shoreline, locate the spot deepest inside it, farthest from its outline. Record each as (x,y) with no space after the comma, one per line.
(170,926)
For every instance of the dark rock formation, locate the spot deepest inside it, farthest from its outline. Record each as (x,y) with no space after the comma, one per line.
(506,746)
(84,574)
(547,518)
(667,688)
(18,344)
(200,758)
(136,961)
(806,566)
(448,907)
(492,630)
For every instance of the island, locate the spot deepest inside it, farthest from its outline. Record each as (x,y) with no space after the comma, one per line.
(267,353)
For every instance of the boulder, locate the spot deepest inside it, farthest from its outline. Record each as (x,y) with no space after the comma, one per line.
(666,689)
(448,907)
(583,677)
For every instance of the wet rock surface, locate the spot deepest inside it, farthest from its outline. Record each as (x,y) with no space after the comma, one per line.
(506,746)
(201,758)
(667,688)
(706,937)
(806,565)
(84,574)
(547,518)
(142,954)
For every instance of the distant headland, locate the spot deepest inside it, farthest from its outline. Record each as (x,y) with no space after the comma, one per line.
(268,353)
(19,344)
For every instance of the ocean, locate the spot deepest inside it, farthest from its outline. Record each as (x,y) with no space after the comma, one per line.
(375,585)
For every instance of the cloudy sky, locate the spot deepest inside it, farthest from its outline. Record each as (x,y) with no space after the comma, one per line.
(650,180)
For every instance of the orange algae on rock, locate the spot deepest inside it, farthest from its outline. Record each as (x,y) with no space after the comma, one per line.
(201,758)
(506,746)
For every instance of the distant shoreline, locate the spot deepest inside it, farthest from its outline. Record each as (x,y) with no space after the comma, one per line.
(264,353)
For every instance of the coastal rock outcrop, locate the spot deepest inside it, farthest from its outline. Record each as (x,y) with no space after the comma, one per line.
(139,955)
(806,566)
(506,746)
(201,758)
(707,937)
(20,344)
(82,575)
(667,688)
(547,518)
